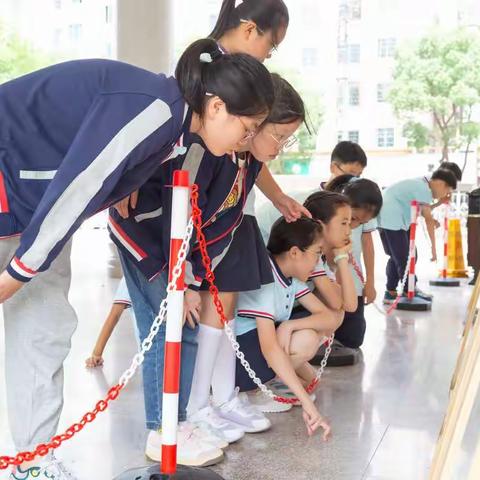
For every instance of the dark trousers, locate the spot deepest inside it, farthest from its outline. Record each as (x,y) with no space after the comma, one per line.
(396,244)
(351,332)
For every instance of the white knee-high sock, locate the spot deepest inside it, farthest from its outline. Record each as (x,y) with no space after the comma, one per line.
(223,380)
(208,344)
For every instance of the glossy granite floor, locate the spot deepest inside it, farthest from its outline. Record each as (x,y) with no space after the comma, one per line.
(385,411)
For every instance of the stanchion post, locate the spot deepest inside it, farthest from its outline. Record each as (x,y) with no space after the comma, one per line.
(413,232)
(445,242)
(173,334)
(411,302)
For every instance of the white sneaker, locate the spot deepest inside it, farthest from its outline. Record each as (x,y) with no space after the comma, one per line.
(266,404)
(192,451)
(238,410)
(207,433)
(209,419)
(52,469)
(282,390)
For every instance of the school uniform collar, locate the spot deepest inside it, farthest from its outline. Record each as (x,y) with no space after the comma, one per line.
(285,282)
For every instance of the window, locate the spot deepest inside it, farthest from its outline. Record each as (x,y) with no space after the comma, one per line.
(339,136)
(310,57)
(75,32)
(343,9)
(382,92)
(355,9)
(354,53)
(354,94)
(348,53)
(354,136)
(387,47)
(350,9)
(340,95)
(342,54)
(385,137)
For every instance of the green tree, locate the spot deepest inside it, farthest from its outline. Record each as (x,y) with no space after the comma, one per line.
(17,57)
(439,75)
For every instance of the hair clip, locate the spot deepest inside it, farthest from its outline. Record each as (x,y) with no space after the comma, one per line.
(238,3)
(205,57)
(354,179)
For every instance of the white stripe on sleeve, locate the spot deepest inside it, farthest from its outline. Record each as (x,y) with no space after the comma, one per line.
(75,198)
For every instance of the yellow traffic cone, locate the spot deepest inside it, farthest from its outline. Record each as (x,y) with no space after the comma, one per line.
(456,262)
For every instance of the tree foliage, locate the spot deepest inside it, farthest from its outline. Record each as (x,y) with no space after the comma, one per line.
(17,57)
(439,76)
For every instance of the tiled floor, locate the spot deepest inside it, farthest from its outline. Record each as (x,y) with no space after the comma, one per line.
(385,412)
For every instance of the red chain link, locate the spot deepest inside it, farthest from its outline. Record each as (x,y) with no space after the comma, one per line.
(43,449)
(356,268)
(210,277)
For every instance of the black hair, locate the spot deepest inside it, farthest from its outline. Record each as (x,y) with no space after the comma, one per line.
(445,176)
(301,234)
(323,205)
(349,152)
(288,106)
(240,80)
(268,15)
(361,192)
(454,168)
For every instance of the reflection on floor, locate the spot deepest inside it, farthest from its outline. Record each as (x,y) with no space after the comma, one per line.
(386,412)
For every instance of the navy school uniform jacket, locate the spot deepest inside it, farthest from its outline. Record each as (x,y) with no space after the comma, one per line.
(224,183)
(75,138)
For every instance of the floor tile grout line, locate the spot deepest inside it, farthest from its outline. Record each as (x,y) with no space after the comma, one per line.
(374,453)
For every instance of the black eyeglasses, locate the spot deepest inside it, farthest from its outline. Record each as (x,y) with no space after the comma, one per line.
(274,48)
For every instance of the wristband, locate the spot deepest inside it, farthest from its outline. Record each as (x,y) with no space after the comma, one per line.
(340,257)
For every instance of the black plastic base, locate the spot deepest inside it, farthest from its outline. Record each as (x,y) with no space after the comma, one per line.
(342,357)
(445,282)
(183,473)
(414,305)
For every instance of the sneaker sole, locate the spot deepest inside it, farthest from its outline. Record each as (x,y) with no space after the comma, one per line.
(152,454)
(282,408)
(252,430)
(235,438)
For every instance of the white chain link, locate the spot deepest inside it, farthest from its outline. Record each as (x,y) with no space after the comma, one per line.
(265,390)
(147,343)
(407,269)
(411,254)
(157,323)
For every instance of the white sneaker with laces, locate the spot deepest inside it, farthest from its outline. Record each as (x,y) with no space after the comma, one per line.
(266,404)
(209,419)
(51,469)
(238,410)
(207,433)
(192,450)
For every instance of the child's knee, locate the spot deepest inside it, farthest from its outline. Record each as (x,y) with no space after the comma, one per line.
(339,316)
(305,344)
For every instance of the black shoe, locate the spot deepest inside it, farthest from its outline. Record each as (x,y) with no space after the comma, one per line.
(340,356)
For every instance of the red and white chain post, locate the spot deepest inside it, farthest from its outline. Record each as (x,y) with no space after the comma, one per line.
(445,241)
(411,256)
(173,335)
